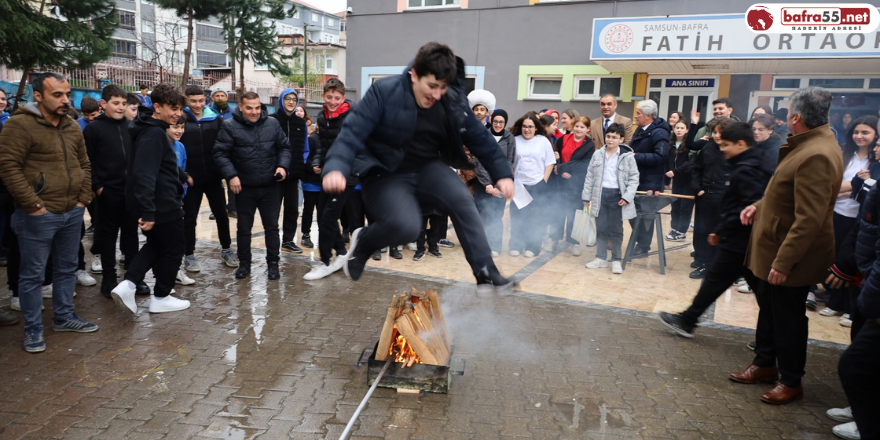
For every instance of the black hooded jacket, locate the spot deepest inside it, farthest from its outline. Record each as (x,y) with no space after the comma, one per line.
(108,144)
(251,152)
(199,137)
(294,128)
(153,191)
(651,148)
(377,131)
(748,179)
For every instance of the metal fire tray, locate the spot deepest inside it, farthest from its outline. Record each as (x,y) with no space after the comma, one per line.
(422,377)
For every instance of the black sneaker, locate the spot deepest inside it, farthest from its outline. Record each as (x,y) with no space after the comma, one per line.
(307,242)
(354,266)
(699,273)
(811,304)
(274,274)
(231,214)
(290,246)
(395,253)
(446,243)
(435,253)
(419,255)
(638,252)
(693,254)
(107,286)
(90,230)
(493,282)
(751,345)
(377,255)
(142,289)
(212,217)
(695,264)
(676,324)
(243,271)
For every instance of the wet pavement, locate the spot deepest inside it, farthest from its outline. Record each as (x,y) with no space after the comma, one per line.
(277,359)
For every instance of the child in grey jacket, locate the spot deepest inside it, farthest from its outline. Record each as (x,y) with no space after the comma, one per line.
(609,190)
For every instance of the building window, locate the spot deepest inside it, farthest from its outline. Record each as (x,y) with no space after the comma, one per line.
(126,19)
(787,83)
(148,54)
(342,26)
(209,33)
(210,59)
(328,61)
(148,27)
(315,17)
(175,31)
(124,49)
(545,87)
(174,58)
(592,88)
(423,4)
(838,83)
(331,22)
(874,83)
(296,13)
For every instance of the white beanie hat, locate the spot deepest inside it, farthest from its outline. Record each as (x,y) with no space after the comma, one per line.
(482,96)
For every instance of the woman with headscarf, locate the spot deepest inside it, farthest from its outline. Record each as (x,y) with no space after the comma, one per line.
(489,202)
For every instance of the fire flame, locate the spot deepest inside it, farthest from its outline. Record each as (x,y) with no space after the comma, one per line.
(402,351)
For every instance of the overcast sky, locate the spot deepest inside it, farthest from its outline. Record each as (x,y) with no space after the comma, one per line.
(329,5)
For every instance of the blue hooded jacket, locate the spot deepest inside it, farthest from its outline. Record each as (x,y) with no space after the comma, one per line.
(296,130)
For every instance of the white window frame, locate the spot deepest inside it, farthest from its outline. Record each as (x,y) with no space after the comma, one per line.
(328,61)
(316,17)
(533,78)
(145,24)
(805,81)
(331,22)
(151,56)
(374,78)
(196,53)
(596,91)
(296,13)
(447,4)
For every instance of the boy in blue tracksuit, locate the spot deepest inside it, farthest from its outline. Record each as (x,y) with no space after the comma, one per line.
(175,132)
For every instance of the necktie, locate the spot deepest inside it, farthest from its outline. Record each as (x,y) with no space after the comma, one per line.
(607,122)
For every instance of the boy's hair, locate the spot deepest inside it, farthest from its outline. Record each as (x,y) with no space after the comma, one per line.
(617,128)
(738,131)
(89,105)
(334,85)
(168,95)
(437,59)
(180,122)
(193,90)
(132,99)
(249,95)
(725,101)
(720,125)
(143,86)
(113,91)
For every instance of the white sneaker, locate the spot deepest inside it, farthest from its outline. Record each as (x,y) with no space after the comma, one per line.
(84,279)
(46,291)
(744,288)
(514,253)
(123,296)
(184,280)
(616,267)
(846,321)
(847,430)
(842,415)
(412,246)
(829,312)
(96,266)
(495,254)
(338,262)
(16,304)
(528,254)
(576,250)
(598,263)
(169,304)
(321,271)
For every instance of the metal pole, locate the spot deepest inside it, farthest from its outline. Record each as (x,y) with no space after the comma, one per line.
(305,57)
(360,407)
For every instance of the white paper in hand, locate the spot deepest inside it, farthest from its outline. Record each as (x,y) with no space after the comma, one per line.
(521,196)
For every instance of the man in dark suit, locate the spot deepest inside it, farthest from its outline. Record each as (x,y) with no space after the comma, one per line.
(792,244)
(608,107)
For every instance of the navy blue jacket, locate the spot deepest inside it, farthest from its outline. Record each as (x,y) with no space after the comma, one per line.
(199,137)
(252,151)
(651,148)
(380,127)
(867,252)
(747,183)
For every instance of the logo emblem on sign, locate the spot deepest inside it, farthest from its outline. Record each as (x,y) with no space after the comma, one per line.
(618,38)
(759,18)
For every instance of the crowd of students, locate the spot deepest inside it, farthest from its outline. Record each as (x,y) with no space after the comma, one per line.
(146,161)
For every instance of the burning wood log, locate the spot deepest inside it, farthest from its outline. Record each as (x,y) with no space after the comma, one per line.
(414,330)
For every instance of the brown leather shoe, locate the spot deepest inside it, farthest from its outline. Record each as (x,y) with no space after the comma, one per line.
(755,374)
(782,394)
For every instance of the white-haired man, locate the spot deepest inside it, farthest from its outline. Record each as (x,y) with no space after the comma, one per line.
(650,143)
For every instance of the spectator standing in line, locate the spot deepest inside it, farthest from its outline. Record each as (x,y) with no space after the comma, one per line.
(680,163)
(311,185)
(154,195)
(219,100)
(90,110)
(575,152)
(46,168)
(608,108)
(650,143)
(487,197)
(253,155)
(534,164)
(297,132)
(144,97)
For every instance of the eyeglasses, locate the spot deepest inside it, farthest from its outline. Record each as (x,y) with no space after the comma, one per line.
(497,122)
(290,99)
(528,127)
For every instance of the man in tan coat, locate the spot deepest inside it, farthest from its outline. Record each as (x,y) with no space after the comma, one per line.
(45,166)
(792,244)
(608,107)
